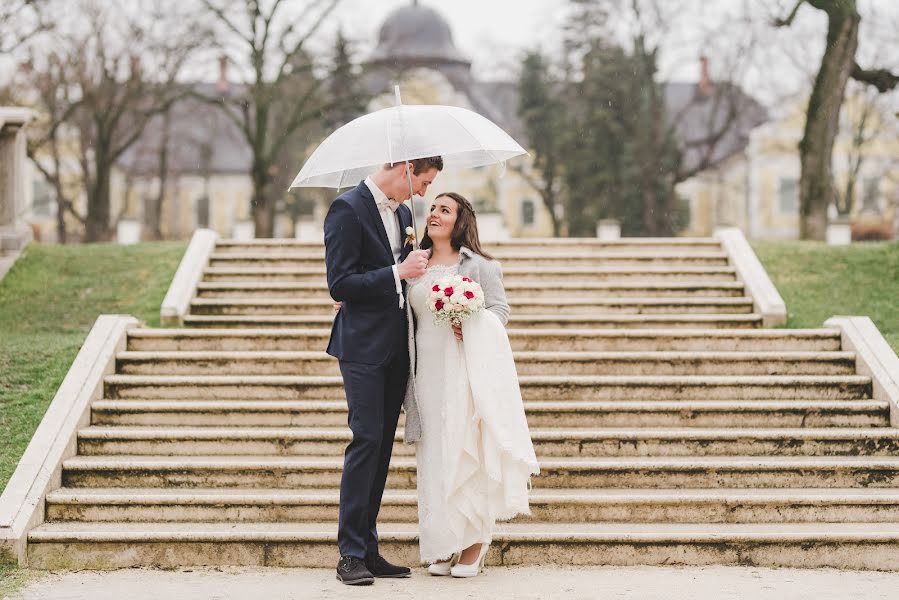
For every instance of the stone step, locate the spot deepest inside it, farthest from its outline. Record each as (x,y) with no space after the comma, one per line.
(716,413)
(873,546)
(548,321)
(577,290)
(533,387)
(293,472)
(543,275)
(508,258)
(129,505)
(608,340)
(520,306)
(527,363)
(548,442)
(536,245)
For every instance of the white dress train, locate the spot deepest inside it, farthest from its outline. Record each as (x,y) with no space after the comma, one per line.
(475,456)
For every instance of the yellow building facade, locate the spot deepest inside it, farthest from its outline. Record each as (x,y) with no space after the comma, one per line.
(757,189)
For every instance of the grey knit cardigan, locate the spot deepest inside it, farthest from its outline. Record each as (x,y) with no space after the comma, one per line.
(489,275)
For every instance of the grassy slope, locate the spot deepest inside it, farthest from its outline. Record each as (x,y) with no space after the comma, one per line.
(48,303)
(818,281)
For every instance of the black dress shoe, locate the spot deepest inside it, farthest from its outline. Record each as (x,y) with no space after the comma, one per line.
(379,567)
(351,571)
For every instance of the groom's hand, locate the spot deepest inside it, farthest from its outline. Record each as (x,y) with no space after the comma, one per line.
(414,265)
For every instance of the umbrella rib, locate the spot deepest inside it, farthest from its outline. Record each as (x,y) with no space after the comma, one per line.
(462,125)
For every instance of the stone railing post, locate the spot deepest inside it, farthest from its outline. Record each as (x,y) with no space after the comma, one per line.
(14,234)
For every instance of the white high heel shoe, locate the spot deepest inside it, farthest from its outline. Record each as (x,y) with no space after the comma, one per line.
(472,570)
(442,568)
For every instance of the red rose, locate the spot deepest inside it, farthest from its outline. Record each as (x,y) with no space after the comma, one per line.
(436,288)
(466,279)
(469,295)
(438,305)
(448,292)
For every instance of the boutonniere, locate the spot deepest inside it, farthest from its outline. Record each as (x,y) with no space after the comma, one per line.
(410,236)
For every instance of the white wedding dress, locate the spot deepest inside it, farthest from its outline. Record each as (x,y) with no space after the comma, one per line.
(475,456)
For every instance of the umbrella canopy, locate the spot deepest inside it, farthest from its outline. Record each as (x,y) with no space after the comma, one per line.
(405,132)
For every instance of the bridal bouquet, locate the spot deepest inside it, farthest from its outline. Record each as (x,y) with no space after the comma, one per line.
(455,298)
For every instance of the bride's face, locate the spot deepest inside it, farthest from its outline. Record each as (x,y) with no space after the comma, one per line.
(442,218)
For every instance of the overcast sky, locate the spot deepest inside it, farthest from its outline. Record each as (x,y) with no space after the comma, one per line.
(495,33)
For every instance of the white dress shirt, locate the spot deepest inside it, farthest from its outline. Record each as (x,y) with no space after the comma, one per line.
(392,227)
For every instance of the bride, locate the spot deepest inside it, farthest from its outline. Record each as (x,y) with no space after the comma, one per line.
(463,404)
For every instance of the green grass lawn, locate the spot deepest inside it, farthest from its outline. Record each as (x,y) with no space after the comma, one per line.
(48,302)
(818,281)
(13,579)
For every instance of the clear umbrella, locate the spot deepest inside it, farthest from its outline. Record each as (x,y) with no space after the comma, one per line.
(401,133)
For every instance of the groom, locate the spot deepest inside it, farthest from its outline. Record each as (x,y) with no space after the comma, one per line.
(368,260)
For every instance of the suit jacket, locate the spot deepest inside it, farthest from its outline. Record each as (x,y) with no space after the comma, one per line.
(370,327)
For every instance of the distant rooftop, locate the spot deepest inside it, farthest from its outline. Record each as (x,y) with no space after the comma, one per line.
(416,34)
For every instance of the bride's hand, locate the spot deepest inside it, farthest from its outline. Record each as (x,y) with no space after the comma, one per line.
(457,330)
(337,306)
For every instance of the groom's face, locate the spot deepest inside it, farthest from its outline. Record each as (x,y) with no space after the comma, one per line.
(422,181)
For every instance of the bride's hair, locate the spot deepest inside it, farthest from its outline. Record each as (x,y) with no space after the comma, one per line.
(465,231)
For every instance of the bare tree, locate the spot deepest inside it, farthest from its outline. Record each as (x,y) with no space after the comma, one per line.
(281,93)
(21,20)
(816,186)
(864,126)
(107,76)
(49,138)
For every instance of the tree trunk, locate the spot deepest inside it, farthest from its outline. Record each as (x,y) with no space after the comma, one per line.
(61,232)
(97,222)
(549,198)
(816,189)
(155,213)
(263,206)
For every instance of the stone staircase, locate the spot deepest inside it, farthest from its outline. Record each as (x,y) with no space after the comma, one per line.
(671,427)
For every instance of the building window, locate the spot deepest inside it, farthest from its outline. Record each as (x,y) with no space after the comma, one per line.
(43,198)
(527,212)
(788,196)
(203,212)
(871,195)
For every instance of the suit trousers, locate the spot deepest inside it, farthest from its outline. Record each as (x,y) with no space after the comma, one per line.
(374,396)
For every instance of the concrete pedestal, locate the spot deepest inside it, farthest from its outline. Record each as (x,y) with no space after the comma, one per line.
(839,233)
(608,229)
(14,233)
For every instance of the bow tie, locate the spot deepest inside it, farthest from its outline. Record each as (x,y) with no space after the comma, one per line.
(388,203)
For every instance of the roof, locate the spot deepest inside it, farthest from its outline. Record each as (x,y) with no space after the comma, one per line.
(701,121)
(416,34)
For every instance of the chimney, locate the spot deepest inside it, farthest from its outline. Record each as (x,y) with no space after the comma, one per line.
(705,87)
(135,67)
(222,85)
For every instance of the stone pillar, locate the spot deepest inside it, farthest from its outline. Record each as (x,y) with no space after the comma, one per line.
(608,229)
(14,234)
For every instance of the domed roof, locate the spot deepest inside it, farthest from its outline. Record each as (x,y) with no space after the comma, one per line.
(416,34)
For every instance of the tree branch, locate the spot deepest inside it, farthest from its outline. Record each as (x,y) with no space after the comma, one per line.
(789,20)
(220,15)
(298,46)
(882,79)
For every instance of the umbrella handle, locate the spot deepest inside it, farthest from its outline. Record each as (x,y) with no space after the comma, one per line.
(415,243)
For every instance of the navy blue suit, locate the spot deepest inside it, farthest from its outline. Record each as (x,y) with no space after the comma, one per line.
(369,338)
